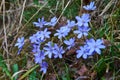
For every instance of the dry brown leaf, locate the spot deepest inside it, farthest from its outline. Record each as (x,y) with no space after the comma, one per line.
(93,74)
(82,70)
(51,77)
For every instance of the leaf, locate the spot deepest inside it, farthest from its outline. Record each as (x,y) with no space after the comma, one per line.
(4,66)
(33,76)
(66,74)
(64,78)
(12,1)
(93,74)
(82,70)
(15,69)
(51,77)
(100,67)
(36,2)
(28,72)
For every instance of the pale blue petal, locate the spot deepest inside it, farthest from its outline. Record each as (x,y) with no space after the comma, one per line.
(84,56)
(98,50)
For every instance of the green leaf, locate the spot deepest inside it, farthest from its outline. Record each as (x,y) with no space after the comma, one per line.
(28,72)
(4,66)
(64,78)
(33,76)
(36,2)
(12,1)
(101,67)
(15,69)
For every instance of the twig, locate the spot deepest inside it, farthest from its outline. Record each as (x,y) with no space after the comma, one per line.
(42,76)
(107,7)
(28,72)
(64,10)
(1,5)
(4,28)
(81,7)
(16,73)
(22,14)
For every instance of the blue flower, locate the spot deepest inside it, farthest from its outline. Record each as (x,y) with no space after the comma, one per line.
(62,32)
(95,46)
(38,57)
(36,48)
(84,52)
(35,38)
(82,31)
(70,24)
(40,23)
(58,51)
(52,22)
(44,67)
(83,20)
(70,42)
(44,34)
(90,7)
(49,49)
(20,44)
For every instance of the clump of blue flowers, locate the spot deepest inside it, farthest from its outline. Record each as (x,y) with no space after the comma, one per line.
(44,46)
